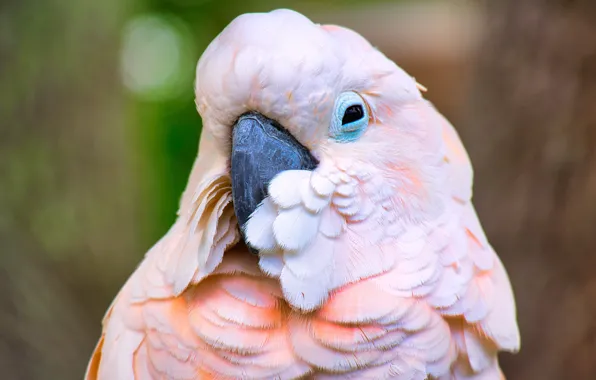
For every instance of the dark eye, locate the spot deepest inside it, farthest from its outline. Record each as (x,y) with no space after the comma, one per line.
(352,114)
(350,117)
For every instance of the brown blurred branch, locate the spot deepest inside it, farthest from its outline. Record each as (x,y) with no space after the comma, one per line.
(532,137)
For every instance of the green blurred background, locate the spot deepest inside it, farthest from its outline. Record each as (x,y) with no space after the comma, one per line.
(98,131)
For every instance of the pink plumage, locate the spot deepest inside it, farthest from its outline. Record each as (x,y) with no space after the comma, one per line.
(372,266)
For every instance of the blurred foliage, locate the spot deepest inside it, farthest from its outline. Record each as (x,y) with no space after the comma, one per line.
(63,182)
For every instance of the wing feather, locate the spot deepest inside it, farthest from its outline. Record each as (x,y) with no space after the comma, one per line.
(147,331)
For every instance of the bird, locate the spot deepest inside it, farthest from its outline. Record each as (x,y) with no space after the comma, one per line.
(327,230)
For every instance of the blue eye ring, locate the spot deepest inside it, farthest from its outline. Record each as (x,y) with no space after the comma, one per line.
(350,117)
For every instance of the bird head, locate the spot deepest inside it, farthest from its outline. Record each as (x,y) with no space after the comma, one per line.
(327,143)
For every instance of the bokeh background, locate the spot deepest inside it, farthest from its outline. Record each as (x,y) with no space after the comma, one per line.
(98,131)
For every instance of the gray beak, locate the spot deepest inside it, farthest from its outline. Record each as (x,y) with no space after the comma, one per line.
(261,149)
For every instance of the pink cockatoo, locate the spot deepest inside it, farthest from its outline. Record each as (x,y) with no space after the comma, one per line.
(326,231)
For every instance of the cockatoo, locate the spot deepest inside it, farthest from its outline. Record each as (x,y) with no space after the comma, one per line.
(326,231)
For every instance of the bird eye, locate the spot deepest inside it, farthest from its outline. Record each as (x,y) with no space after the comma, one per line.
(352,114)
(350,117)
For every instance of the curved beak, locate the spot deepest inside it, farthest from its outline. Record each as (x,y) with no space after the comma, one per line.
(261,149)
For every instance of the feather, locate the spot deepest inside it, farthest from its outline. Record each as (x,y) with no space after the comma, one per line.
(295,228)
(271,264)
(312,201)
(305,293)
(314,258)
(322,185)
(328,359)
(259,229)
(283,189)
(332,224)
